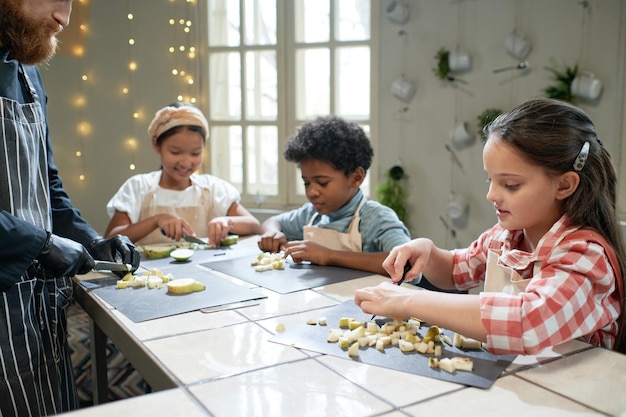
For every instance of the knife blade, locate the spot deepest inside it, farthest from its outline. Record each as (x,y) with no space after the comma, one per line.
(407,267)
(191,239)
(110,266)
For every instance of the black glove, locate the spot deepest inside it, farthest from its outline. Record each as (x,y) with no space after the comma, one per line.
(63,257)
(117,249)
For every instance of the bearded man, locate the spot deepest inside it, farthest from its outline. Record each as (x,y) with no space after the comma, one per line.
(44,241)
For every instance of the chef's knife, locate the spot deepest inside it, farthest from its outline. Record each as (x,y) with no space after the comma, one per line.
(110,266)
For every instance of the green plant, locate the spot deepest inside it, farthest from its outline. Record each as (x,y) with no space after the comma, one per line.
(563,80)
(443,64)
(392,193)
(487,116)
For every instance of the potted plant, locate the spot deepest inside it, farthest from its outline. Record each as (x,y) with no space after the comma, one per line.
(392,193)
(561,89)
(487,116)
(443,65)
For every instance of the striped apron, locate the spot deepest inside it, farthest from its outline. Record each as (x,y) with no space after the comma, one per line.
(36,376)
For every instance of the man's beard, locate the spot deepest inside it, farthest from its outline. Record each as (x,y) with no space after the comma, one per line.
(29,41)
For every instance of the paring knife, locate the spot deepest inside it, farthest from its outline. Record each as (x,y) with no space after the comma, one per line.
(407,267)
(110,266)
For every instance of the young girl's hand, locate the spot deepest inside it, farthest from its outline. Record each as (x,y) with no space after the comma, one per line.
(385,300)
(272,242)
(417,252)
(174,227)
(218,230)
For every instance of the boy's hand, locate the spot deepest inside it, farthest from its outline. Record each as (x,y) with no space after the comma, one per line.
(306,250)
(272,242)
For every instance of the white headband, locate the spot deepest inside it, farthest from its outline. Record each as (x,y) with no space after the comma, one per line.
(169,117)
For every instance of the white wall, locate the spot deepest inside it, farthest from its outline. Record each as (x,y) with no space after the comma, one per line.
(557,30)
(416,136)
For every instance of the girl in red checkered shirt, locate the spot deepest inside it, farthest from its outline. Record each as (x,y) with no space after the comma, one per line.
(551,267)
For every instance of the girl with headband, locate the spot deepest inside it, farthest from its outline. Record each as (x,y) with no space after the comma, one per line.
(162,206)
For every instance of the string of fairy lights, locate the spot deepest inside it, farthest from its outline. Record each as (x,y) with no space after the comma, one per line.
(183,49)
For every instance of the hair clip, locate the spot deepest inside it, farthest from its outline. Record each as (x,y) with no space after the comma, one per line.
(579,163)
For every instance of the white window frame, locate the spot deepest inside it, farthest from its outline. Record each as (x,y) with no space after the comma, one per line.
(289,181)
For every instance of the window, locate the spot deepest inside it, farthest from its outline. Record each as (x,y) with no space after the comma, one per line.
(273,64)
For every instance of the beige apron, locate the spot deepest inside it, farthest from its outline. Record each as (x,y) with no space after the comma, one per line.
(334,240)
(197,216)
(504,279)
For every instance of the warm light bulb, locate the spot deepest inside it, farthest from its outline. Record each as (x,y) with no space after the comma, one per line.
(78,154)
(84,77)
(136,115)
(79,101)
(125,90)
(132,167)
(131,143)
(83,27)
(175,71)
(188,22)
(132,65)
(193,100)
(179,98)
(78,51)
(81,177)
(181,48)
(130,16)
(84,128)
(186,30)
(190,81)
(172,49)
(172,21)
(131,41)
(181,21)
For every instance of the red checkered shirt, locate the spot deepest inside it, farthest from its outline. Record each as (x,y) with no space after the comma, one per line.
(574,294)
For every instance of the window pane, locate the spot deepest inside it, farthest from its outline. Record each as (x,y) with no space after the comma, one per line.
(312,83)
(262,160)
(261,85)
(260,22)
(227,154)
(225,82)
(223,23)
(353,20)
(353,82)
(312,21)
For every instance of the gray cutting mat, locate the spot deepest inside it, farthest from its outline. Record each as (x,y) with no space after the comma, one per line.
(143,304)
(295,277)
(487,367)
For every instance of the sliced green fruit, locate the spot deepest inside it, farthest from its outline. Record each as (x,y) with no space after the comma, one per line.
(230,240)
(158,251)
(184,286)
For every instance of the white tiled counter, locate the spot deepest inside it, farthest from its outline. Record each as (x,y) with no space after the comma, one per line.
(222,364)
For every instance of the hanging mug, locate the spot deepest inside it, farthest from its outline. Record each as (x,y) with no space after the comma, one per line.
(459,61)
(517,46)
(397,11)
(586,85)
(403,90)
(457,206)
(461,137)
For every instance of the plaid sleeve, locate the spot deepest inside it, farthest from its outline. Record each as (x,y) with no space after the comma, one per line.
(573,295)
(470,263)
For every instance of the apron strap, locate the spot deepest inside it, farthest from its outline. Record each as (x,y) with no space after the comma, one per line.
(593,236)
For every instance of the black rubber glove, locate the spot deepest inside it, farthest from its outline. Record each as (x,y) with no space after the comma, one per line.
(118,248)
(63,257)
